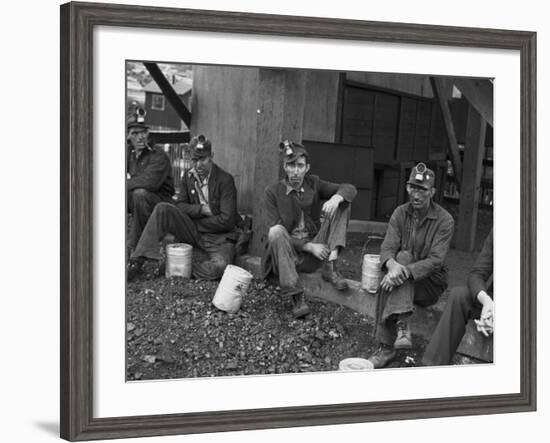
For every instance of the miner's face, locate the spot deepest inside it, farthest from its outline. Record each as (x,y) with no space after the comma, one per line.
(296,171)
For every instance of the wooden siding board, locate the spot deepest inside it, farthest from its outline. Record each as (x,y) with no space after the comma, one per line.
(385,127)
(422,135)
(407,129)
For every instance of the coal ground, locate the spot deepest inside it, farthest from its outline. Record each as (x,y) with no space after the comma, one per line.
(174,331)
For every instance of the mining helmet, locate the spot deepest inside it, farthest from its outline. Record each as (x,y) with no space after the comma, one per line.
(200,147)
(422,176)
(137,119)
(291,151)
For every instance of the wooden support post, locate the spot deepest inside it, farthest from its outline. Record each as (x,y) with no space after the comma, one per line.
(169,93)
(479,92)
(442,91)
(474,152)
(280,116)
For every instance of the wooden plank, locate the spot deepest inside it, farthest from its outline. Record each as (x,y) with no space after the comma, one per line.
(479,92)
(170,136)
(422,133)
(357,117)
(474,152)
(268,135)
(442,93)
(169,93)
(294,105)
(438,137)
(384,134)
(407,129)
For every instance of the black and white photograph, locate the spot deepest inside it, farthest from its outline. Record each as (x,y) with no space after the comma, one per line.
(286,220)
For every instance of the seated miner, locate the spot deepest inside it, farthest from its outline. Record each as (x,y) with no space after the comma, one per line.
(204,216)
(413,257)
(297,239)
(465,302)
(149,176)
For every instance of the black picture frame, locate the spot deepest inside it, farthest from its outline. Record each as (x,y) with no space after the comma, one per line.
(77,23)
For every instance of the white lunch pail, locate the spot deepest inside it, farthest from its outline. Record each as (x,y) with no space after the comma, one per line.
(179,258)
(371,273)
(232,289)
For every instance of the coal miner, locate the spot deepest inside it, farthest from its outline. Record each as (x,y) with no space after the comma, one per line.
(149,176)
(304,234)
(465,302)
(204,216)
(413,257)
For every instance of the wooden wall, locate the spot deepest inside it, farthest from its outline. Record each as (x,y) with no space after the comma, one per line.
(321,107)
(402,128)
(225,107)
(397,125)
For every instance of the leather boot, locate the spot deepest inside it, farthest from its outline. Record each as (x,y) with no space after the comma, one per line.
(403,339)
(383,356)
(331,274)
(134,268)
(299,306)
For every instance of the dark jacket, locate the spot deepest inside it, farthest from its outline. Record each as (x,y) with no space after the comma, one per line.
(151,171)
(480,277)
(222,197)
(428,243)
(285,209)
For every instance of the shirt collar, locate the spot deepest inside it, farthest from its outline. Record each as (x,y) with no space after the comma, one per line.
(204,181)
(289,188)
(143,151)
(432,211)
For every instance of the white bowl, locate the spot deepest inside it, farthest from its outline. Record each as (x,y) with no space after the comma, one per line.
(355,364)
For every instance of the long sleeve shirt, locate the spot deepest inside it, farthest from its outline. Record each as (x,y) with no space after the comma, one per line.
(479,277)
(302,209)
(151,171)
(428,239)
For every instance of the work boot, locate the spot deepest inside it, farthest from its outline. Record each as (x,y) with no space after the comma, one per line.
(299,306)
(134,268)
(160,268)
(403,339)
(330,274)
(383,356)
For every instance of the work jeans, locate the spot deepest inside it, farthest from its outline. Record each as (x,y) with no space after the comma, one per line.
(212,252)
(401,300)
(140,204)
(460,308)
(287,262)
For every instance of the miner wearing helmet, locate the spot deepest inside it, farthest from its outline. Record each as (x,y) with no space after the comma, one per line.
(303,232)
(149,176)
(204,216)
(412,257)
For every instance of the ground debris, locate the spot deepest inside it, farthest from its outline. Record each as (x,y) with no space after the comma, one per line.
(174,331)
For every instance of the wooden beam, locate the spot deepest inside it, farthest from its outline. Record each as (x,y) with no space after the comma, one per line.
(280,116)
(442,93)
(479,92)
(474,151)
(170,136)
(171,95)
